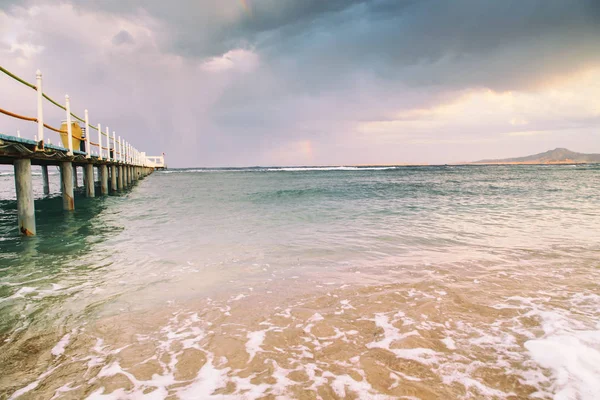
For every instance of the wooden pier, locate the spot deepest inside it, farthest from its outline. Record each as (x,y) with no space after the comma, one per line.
(119,165)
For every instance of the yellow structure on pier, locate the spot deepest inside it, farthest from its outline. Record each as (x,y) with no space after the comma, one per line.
(77,133)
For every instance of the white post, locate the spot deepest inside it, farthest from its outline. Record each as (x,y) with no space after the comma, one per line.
(107,144)
(99,130)
(69,128)
(114,146)
(88,150)
(120,152)
(40,101)
(100,144)
(18,133)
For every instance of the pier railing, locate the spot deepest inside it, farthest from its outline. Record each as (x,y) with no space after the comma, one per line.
(107,147)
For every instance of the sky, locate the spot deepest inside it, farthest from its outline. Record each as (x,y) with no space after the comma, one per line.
(313,82)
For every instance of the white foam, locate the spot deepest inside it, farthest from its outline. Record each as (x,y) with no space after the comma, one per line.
(207,381)
(340,168)
(61,345)
(343,383)
(255,340)
(449,342)
(390,333)
(574,359)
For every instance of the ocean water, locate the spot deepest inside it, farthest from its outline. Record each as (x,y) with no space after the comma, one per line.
(475,282)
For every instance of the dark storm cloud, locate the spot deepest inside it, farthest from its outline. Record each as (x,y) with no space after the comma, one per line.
(123,37)
(431,42)
(441,39)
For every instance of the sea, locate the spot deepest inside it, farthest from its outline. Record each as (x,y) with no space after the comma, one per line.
(433,282)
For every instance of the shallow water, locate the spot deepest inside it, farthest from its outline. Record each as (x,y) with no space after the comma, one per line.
(409,282)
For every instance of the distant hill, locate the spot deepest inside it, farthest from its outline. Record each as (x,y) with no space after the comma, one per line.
(556,156)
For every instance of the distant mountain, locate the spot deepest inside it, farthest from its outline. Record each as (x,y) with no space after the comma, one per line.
(556,156)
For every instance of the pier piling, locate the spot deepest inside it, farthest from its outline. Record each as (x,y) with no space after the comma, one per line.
(104,179)
(66,182)
(121,182)
(25,203)
(113,178)
(89,180)
(75,183)
(46,180)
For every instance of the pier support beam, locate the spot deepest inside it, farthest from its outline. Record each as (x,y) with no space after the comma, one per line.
(121,182)
(113,178)
(25,204)
(66,184)
(90,190)
(46,180)
(104,179)
(129,181)
(75,183)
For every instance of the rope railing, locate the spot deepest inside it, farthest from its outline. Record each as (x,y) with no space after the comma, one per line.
(120,151)
(24,82)
(32,119)
(10,114)
(56,130)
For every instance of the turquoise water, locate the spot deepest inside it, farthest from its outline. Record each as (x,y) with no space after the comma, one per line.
(500,262)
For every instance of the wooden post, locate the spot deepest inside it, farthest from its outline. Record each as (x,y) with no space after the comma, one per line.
(129,181)
(46,180)
(104,179)
(66,184)
(90,190)
(113,178)
(25,203)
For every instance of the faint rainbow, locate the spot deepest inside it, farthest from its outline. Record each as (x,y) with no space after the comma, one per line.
(246,6)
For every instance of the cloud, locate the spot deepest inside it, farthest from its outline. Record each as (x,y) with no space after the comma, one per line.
(123,37)
(237,59)
(213,83)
